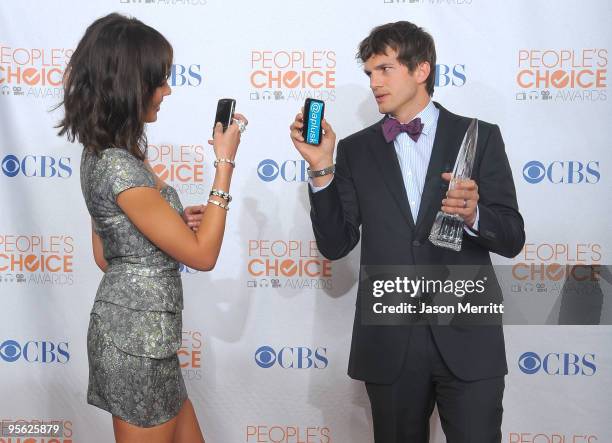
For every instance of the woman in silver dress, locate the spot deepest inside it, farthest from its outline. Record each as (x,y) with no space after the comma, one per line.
(114,84)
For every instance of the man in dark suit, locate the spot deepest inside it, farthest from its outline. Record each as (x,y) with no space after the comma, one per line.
(389,181)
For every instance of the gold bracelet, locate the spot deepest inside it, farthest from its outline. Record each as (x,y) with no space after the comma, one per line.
(221,205)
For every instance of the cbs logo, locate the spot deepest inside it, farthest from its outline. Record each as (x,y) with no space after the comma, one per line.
(558,364)
(557,172)
(36,166)
(35,352)
(290,170)
(292,357)
(449,75)
(183,75)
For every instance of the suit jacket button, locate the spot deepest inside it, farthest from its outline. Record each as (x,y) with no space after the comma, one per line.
(416,243)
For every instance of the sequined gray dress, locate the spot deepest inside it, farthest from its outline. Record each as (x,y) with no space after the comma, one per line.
(135,324)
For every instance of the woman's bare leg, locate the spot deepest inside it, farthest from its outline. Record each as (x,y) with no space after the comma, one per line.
(128,433)
(187,426)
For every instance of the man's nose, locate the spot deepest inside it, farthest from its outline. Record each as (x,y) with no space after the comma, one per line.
(374,82)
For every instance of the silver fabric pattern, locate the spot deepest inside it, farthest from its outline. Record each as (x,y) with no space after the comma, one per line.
(135,327)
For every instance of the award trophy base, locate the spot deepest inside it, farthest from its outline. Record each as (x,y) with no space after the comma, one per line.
(447,231)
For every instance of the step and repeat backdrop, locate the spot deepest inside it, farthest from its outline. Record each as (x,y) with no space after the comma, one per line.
(267,332)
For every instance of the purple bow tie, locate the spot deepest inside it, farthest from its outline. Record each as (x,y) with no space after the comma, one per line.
(392,127)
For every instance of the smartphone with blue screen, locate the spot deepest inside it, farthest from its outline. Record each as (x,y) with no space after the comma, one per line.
(313,116)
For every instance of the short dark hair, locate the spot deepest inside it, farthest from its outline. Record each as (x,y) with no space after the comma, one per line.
(413,46)
(109,83)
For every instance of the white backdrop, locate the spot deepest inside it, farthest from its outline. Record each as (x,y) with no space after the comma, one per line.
(490,54)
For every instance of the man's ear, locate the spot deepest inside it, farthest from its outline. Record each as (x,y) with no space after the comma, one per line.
(422,72)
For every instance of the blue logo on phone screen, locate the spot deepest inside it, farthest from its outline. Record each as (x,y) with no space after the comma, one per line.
(314,123)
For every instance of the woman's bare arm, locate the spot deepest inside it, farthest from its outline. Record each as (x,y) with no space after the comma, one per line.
(165,228)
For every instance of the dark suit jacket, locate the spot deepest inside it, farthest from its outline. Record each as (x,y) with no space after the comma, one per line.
(368,192)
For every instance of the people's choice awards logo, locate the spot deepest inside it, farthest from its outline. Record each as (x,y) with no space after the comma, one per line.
(289,264)
(38,72)
(551,437)
(277,433)
(181,166)
(544,267)
(36,259)
(562,75)
(293,74)
(190,355)
(33,72)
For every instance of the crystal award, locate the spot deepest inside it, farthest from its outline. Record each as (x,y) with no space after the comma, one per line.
(447,230)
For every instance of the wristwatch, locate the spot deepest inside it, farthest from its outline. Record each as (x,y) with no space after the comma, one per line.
(321,172)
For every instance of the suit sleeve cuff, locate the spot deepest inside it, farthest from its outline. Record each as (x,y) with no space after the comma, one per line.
(473,231)
(316,189)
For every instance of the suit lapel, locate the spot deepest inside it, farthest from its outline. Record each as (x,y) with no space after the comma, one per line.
(388,165)
(449,133)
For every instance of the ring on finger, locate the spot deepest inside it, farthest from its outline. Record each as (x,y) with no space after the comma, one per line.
(241,125)
(464,203)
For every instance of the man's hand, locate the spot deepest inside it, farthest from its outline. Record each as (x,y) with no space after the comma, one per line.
(192,215)
(462,200)
(318,157)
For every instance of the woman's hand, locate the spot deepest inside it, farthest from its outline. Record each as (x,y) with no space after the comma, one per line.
(192,215)
(226,143)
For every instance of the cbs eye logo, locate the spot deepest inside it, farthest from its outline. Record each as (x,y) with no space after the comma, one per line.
(267,170)
(265,357)
(10,351)
(530,363)
(10,166)
(534,172)
(290,170)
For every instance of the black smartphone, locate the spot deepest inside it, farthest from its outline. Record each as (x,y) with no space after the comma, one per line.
(313,116)
(225,112)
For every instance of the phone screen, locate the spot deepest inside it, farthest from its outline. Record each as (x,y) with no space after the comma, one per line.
(225,112)
(313,115)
